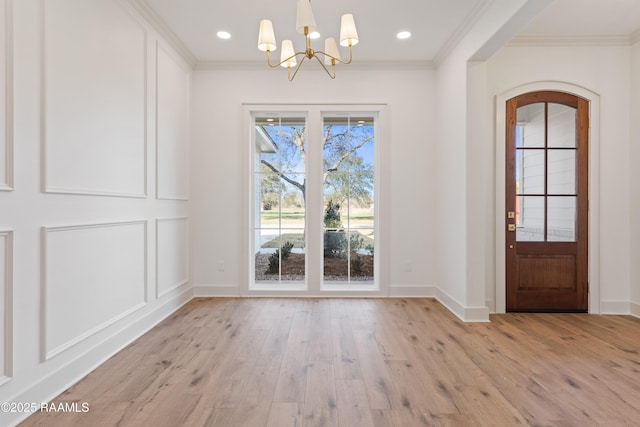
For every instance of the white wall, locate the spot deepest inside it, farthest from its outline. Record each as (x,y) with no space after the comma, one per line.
(635,179)
(464,172)
(451,179)
(89,257)
(605,71)
(6,102)
(218,189)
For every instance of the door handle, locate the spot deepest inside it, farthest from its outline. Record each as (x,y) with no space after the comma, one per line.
(511,227)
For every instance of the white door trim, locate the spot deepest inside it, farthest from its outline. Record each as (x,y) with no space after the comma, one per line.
(315,113)
(594,186)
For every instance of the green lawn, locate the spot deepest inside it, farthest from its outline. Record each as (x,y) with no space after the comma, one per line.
(271,217)
(298,240)
(297,217)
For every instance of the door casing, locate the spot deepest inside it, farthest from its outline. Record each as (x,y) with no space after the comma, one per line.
(314,112)
(549,262)
(496,301)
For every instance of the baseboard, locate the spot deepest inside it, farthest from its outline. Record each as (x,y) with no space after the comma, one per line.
(635,309)
(476,314)
(407,291)
(466,314)
(58,381)
(411,291)
(216,290)
(615,307)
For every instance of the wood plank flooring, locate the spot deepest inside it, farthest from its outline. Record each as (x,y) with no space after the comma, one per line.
(363,362)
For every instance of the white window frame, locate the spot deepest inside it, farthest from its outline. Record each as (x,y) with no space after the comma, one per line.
(315,114)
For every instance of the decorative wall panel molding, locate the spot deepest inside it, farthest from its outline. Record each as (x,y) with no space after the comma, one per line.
(94,83)
(94,275)
(172,254)
(6,305)
(172,118)
(6,96)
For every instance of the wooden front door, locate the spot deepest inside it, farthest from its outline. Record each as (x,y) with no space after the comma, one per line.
(547,202)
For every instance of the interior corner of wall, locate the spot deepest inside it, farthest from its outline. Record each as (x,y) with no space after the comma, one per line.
(466,314)
(635,309)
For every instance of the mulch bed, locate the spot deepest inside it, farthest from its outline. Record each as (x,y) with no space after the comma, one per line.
(335,268)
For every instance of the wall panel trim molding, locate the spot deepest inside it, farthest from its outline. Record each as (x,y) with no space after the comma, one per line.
(6,367)
(160,142)
(164,30)
(6,139)
(181,281)
(82,192)
(108,188)
(73,370)
(47,232)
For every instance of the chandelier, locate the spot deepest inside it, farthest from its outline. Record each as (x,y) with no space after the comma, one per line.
(306,24)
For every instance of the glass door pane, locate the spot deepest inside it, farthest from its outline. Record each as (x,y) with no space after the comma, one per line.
(279,200)
(349,205)
(562,126)
(562,172)
(546,164)
(531,124)
(530,171)
(530,219)
(561,220)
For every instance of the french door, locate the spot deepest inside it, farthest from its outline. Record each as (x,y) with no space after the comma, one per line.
(547,202)
(313,201)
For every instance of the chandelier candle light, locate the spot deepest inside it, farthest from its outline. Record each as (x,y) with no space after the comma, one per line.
(305,24)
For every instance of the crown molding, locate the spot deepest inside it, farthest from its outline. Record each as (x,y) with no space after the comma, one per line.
(359,65)
(461,31)
(158,24)
(557,40)
(229,65)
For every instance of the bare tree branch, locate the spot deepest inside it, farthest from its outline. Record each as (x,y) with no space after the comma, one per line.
(296,184)
(328,137)
(298,141)
(342,158)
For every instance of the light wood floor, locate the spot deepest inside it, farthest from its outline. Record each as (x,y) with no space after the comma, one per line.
(371,362)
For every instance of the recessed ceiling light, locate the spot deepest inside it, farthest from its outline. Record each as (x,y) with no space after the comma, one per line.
(403,35)
(314,35)
(223,35)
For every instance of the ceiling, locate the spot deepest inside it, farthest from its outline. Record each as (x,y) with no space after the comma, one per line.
(587,18)
(434,24)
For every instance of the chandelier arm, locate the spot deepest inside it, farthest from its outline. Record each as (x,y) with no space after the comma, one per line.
(333,66)
(337,59)
(295,55)
(296,70)
(266,39)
